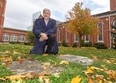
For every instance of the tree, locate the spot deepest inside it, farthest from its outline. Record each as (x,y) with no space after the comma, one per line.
(31,36)
(80,21)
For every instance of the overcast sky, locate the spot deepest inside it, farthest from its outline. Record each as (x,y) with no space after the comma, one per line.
(19,12)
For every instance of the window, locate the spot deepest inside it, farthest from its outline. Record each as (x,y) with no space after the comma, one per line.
(87,38)
(21,38)
(100,34)
(60,35)
(75,38)
(5,37)
(13,38)
(114,23)
(67,36)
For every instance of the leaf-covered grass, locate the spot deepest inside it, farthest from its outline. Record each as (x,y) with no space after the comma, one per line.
(71,70)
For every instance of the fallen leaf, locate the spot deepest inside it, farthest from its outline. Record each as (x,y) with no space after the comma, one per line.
(95,58)
(76,80)
(15,77)
(64,62)
(20,60)
(89,71)
(47,80)
(3,58)
(2,79)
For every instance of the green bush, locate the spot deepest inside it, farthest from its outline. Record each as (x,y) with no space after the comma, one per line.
(100,45)
(12,42)
(59,43)
(75,44)
(28,43)
(82,43)
(88,44)
(65,44)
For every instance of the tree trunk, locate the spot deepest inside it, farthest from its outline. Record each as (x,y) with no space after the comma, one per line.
(79,44)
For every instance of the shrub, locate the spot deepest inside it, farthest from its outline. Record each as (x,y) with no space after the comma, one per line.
(65,44)
(59,43)
(74,44)
(28,43)
(100,45)
(82,43)
(88,44)
(12,42)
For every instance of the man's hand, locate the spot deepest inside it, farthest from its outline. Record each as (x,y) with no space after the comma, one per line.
(43,37)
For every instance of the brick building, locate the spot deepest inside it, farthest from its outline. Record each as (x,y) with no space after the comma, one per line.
(104,36)
(14,35)
(9,34)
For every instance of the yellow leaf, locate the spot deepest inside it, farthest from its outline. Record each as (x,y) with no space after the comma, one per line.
(76,80)
(6,52)
(47,80)
(89,71)
(64,62)
(14,52)
(95,58)
(2,79)
(15,77)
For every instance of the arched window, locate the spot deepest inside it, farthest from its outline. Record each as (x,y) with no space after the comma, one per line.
(100,34)
(114,24)
(5,37)
(13,37)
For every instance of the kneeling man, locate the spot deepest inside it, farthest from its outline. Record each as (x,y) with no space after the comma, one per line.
(45,31)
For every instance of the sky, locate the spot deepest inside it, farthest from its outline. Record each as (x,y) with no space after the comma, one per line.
(19,13)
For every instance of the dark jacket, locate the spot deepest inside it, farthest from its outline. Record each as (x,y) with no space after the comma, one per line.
(49,29)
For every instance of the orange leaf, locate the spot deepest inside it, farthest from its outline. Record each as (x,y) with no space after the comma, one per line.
(90,80)
(3,58)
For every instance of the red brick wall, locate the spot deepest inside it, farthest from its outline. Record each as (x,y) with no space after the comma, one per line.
(17,32)
(2,12)
(93,38)
(112,5)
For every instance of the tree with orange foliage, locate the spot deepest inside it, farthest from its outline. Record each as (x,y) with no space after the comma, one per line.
(81,22)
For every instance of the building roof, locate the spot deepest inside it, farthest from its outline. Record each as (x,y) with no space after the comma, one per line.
(105,13)
(7,28)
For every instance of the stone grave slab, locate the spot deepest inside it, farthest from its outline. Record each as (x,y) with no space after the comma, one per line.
(77,59)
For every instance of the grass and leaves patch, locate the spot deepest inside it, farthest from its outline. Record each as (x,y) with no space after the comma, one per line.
(103,69)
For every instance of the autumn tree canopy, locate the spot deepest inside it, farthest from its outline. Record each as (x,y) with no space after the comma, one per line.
(80,21)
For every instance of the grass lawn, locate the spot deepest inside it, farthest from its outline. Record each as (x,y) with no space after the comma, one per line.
(105,59)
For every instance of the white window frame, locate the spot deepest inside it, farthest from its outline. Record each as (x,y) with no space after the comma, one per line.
(21,37)
(13,38)
(86,38)
(4,37)
(102,33)
(75,38)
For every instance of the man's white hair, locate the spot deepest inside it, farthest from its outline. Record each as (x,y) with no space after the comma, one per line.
(46,9)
